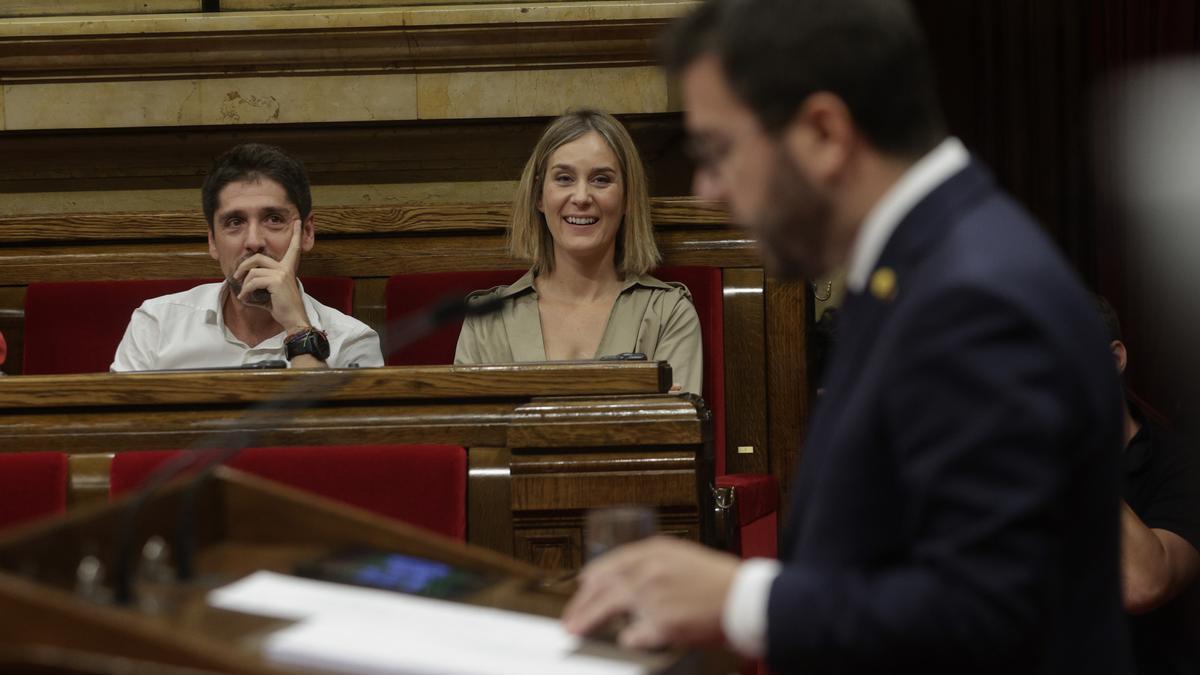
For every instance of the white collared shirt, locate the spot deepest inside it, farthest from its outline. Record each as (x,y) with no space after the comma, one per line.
(935,168)
(744,618)
(187,330)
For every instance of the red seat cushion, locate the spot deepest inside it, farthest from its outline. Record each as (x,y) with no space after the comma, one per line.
(75,327)
(32,485)
(757,494)
(424,485)
(408,293)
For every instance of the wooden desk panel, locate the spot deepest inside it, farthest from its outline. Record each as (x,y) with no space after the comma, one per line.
(546,442)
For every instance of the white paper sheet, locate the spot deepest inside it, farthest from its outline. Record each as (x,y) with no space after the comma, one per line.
(362,630)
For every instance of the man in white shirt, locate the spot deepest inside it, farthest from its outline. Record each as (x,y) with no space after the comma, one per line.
(258,206)
(955,508)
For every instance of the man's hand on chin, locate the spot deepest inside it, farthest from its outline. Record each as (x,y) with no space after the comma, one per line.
(671,591)
(277,278)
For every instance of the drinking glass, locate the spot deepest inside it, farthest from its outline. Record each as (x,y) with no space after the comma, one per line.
(609,527)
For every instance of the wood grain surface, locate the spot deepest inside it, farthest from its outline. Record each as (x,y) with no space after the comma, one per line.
(491,217)
(40,393)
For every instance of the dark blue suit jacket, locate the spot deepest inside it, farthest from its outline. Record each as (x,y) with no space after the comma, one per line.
(957,500)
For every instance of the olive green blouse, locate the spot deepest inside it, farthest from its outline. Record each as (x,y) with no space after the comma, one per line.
(653,317)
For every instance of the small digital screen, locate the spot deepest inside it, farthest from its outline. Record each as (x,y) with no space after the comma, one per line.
(395,572)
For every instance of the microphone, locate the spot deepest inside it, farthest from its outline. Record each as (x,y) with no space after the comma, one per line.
(211,451)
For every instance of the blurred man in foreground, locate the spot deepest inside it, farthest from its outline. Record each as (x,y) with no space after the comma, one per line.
(955,508)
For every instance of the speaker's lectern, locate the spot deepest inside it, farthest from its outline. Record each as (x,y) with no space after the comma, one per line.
(243,524)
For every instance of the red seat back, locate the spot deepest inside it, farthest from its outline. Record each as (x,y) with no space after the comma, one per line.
(32,485)
(408,293)
(708,295)
(75,326)
(424,485)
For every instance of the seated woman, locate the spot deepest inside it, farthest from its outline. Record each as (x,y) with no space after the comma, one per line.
(582,216)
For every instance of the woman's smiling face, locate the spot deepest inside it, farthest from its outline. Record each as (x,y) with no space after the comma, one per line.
(583,198)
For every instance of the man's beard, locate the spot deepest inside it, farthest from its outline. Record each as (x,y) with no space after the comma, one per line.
(794,227)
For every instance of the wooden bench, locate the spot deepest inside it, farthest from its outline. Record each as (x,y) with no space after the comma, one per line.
(545,442)
(765,319)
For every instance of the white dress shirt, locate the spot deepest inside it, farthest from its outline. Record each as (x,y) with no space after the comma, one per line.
(187,330)
(744,618)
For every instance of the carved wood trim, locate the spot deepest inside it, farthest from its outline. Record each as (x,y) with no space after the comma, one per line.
(789,316)
(745,372)
(609,422)
(669,213)
(489,499)
(524,34)
(400,383)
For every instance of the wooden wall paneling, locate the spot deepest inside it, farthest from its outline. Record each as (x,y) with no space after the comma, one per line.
(489,484)
(671,214)
(393,163)
(551,548)
(95,432)
(644,485)
(417,385)
(611,421)
(88,479)
(534,36)
(745,373)
(370,304)
(557,540)
(789,316)
(350,257)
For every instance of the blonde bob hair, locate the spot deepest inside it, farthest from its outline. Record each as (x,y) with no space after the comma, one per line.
(529,236)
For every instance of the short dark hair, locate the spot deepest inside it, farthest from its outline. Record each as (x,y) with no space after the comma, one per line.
(1109,316)
(252,161)
(776,53)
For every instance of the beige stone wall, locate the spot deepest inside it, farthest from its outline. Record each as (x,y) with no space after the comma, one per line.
(291,99)
(387,104)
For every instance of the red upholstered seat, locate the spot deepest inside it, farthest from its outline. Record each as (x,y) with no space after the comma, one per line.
(408,293)
(757,512)
(424,485)
(757,494)
(708,296)
(32,485)
(75,327)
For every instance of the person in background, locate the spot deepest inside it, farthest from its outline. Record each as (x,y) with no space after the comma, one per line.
(258,206)
(1160,535)
(582,216)
(955,508)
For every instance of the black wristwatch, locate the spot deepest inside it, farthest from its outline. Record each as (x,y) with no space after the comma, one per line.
(308,341)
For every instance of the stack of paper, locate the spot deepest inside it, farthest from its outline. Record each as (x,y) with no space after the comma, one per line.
(362,630)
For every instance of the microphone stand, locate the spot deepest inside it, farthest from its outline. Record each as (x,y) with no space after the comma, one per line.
(211,451)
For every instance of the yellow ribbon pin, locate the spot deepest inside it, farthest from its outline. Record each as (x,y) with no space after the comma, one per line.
(883,283)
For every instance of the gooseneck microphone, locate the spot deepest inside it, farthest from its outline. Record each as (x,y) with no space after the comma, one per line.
(214,450)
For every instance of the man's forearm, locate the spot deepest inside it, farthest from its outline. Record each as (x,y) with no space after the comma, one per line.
(1146,570)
